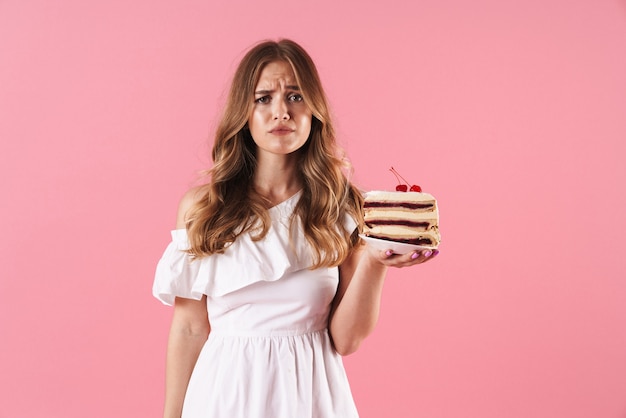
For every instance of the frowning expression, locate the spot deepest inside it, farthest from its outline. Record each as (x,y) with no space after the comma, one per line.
(280,122)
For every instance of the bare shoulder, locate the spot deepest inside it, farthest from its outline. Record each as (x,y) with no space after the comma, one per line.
(186,203)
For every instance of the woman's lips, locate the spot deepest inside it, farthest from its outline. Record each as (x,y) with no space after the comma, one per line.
(281,131)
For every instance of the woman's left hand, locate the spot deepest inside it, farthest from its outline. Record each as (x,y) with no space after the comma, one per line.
(390,259)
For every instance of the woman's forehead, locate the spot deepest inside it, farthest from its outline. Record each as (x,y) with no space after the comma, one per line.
(277,74)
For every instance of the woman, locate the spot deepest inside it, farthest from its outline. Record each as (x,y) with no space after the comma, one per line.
(269,279)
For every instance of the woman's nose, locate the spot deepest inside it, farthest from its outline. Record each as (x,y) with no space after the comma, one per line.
(281,111)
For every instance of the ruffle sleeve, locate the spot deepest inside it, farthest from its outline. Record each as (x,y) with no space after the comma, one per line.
(244,263)
(177,274)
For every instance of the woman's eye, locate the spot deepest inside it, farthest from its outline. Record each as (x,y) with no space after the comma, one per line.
(296,98)
(263,100)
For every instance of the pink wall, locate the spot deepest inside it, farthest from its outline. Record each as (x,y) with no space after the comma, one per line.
(511,112)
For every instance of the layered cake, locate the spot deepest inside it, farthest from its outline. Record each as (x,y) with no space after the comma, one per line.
(407,217)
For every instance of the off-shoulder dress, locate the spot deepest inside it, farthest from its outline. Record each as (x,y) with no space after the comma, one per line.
(268,354)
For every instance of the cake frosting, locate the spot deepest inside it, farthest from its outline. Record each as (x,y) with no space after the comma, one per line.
(407,217)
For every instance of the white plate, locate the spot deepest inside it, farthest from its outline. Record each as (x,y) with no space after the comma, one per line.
(396,247)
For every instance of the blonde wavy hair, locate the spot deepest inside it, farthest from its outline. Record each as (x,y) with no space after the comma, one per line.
(229,206)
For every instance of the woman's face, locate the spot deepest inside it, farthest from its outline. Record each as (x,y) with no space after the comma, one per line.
(280,122)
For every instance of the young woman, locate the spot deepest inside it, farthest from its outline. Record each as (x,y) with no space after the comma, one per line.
(269,279)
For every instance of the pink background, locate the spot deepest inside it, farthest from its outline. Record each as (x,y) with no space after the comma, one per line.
(513,113)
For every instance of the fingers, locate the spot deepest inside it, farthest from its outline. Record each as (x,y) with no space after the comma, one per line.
(425,255)
(404,260)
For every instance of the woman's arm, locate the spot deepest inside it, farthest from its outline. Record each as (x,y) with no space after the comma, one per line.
(188,333)
(357,303)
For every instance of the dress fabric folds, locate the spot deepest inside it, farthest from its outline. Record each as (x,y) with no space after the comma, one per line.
(268,354)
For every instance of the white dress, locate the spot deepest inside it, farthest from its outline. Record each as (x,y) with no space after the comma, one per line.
(268,354)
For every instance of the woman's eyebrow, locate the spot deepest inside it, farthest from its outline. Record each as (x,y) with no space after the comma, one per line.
(296,88)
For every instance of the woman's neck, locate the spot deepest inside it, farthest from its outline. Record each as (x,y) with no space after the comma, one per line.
(277,179)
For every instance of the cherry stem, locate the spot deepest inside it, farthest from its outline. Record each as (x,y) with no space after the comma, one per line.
(398,176)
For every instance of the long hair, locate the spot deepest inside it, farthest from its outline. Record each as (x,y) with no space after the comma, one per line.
(229,205)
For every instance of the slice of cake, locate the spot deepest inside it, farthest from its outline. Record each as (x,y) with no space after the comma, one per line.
(407,217)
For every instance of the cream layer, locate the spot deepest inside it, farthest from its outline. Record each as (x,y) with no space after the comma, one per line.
(387,196)
(374,214)
(401,231)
